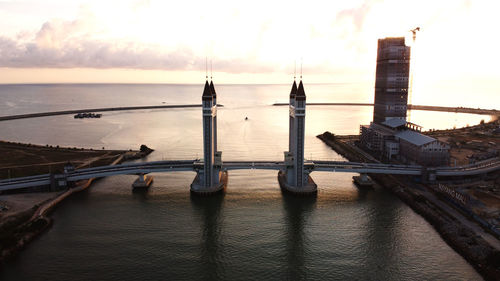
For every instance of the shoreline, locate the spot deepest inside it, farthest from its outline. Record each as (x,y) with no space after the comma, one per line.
(472,247)
(20,227)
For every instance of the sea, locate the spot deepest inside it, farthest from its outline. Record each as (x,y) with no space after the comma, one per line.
(253,231)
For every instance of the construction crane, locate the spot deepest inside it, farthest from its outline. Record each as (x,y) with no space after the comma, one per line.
(414,33)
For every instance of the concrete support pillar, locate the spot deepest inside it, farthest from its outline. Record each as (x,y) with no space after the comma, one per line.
(428,175)
(432,176)
(363,180)
(143,181)
(58,182)
(364,177)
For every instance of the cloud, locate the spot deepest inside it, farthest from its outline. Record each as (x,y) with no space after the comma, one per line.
(239,48)
(70,44)
(102,55)
(356,15)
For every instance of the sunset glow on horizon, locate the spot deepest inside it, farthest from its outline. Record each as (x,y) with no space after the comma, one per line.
(248,42)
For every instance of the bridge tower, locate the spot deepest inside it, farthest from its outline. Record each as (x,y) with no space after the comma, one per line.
(295,178)
(210,179)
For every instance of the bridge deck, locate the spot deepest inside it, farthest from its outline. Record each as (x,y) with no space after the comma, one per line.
(195,165)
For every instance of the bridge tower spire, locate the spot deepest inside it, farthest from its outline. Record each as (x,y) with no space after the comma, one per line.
(214,103)
(295,178)
(210,178)
(291,130)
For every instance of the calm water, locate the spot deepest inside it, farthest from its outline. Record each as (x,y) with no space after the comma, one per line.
(253,231)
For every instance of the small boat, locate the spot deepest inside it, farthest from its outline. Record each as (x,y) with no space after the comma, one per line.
(87,115)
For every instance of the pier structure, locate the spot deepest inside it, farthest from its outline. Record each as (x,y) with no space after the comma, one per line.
(210,178)
(143,181)
(295,177)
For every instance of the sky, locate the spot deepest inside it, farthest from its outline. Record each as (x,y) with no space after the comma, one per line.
(148,41)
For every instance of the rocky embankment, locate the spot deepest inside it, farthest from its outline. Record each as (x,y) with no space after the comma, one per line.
(20,228)
(477,251)
(143,152)
(342,148)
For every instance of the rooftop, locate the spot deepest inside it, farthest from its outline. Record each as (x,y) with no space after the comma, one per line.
(212,89)
(414,137)
(293,92)
(394,123)
(300,94)
(207,93)
(383,130)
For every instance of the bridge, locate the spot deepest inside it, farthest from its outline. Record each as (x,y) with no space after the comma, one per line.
(212,173)
(196,165)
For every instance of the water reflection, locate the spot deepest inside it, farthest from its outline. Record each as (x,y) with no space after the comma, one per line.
(382,244)
(211,246)
(140,194)
(363,193)
(297,212)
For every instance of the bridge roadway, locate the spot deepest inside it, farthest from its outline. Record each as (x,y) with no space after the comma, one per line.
(196,165)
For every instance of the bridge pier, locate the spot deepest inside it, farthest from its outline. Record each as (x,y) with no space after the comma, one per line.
(143,181)
(428,175)
(199,188)
(363,180)
(58,182)
(211,179)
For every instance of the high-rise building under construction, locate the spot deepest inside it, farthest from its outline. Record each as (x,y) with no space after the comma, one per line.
(391,85)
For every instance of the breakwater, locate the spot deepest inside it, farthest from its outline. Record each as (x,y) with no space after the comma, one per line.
(342,148)
(104,109)
(459,109)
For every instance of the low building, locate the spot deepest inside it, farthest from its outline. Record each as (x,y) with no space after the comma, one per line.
(374,138)
(393,140)
(416,148)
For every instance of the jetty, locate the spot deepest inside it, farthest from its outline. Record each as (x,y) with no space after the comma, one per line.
(89,110)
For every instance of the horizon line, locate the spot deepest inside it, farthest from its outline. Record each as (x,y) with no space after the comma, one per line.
(166,83)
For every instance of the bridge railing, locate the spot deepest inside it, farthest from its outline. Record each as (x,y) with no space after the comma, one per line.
(479,164)
(28,178)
